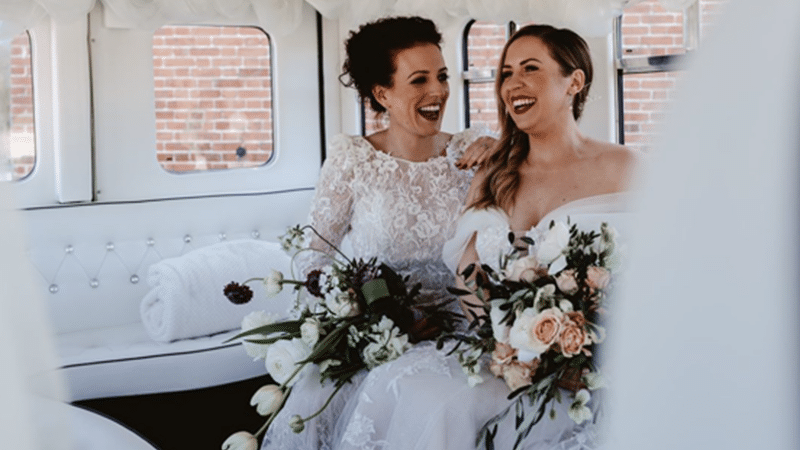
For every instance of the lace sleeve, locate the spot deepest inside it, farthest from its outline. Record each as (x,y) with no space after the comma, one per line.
(332,206)
(461,141)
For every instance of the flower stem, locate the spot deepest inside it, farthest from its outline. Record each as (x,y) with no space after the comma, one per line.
(329,243)
(327,402)
(272,417)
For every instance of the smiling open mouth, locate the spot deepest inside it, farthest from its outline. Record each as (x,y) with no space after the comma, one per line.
(520,105)
(430,112)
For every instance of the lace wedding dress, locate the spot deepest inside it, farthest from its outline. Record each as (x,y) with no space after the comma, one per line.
(398,210)
(423,400)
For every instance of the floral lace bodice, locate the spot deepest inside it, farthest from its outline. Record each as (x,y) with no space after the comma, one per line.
(399,211)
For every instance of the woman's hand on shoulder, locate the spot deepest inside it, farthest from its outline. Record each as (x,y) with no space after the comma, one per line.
(477,152)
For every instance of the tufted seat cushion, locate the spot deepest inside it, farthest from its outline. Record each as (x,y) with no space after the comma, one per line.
(92,263)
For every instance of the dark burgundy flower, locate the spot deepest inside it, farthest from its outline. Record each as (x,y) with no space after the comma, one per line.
(238,293)
(312,283)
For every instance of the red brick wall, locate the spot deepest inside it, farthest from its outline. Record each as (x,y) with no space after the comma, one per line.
(213,95)
(21,138)
(647,30)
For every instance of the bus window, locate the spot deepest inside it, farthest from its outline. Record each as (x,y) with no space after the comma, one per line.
(213,97)
(483,42)
(19,88)
(651,44)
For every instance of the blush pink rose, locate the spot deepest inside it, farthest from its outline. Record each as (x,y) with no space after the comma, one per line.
(566,281)
(572,339)
(518,374)
(547,326)
(533,334)
(501,356)
(597,277)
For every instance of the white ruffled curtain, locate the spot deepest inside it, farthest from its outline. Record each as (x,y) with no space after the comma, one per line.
(588,17)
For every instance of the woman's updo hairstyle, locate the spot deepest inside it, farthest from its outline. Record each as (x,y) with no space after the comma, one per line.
(370,52)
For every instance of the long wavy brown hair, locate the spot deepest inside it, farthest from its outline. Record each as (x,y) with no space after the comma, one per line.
(502,178)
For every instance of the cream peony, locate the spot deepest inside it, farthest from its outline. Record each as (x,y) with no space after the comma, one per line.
(523,269)
(268,399)
(241,440)
(282,359)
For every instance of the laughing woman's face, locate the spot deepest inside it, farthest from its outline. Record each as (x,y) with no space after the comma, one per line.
(419,90)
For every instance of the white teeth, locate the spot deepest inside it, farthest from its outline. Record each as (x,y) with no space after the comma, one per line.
(522,102)
(431,108)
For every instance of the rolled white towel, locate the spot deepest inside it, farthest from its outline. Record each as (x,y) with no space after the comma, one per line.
(186,297)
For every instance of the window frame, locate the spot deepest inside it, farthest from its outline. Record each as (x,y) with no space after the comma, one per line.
(630,65)
(124,175)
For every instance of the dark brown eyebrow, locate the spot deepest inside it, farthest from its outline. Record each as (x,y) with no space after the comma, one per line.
(424,72)
(524,62)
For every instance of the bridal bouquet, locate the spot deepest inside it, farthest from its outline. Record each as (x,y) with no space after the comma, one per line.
(356,315)
(542,322)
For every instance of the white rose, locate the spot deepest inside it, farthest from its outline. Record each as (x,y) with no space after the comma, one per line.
(578,411)
(309,331)
(273,284)
(523,269)
(282,358)
(241,440)
(268,399)
(550,249)
(254,320)
(499,329)
(341,304)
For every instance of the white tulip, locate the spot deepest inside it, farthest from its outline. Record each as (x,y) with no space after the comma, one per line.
(273,284)
(241,440)
(268,399)
(578,411)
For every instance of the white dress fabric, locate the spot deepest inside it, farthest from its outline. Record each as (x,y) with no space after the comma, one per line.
(399,211)
(422,400)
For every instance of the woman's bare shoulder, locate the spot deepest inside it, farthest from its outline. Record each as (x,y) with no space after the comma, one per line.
(615,161)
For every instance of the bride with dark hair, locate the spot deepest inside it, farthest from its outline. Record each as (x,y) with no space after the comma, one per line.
(395,194)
